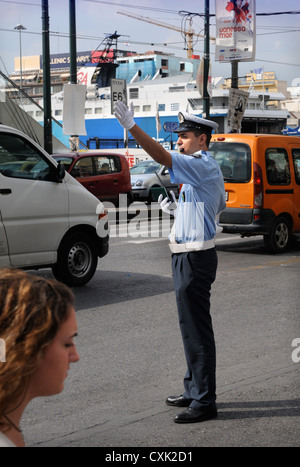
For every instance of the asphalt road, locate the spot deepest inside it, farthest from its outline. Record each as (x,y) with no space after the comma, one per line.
(132,356)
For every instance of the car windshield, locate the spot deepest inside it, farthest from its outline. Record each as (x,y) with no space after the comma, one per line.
(146,167)
(234,160)
(66,161)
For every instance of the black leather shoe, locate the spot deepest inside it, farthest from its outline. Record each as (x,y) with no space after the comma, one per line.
(178,401)
(195,415)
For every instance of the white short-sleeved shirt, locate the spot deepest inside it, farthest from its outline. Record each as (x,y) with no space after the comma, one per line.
(202,196)
(5,442)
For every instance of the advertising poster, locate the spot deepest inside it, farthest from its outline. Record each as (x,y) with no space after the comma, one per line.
(238,99)
(235,30)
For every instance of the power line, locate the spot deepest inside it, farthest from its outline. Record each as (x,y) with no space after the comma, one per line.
(19,3)
(297,12)
(277,32)
(152,44)
(275,13)
(161,10)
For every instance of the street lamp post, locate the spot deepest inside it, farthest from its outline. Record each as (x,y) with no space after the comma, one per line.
(206,96)
(48,145)
(206,59)
(20,28)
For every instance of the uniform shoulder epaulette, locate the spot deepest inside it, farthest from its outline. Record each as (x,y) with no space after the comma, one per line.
(198,156)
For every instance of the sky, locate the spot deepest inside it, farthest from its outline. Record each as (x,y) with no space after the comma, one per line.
(277,36)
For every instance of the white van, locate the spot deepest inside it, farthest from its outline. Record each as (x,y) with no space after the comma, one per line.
(47,218)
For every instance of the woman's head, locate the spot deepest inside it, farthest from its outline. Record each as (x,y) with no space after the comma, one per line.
(34,314)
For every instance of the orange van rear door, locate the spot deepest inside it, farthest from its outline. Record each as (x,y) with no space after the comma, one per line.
(234,159)
(296,167)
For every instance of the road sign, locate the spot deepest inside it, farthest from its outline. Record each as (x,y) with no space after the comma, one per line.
(170,127)
(118,92)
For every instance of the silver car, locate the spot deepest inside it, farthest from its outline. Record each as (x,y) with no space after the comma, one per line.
(149,174)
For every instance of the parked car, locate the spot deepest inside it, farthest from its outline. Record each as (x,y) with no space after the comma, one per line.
(47,218)
(262,183)
(149,174)
(105,175)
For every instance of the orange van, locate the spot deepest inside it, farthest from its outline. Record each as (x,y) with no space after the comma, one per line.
(262,183)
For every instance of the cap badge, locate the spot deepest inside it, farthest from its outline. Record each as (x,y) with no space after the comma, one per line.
(181,118)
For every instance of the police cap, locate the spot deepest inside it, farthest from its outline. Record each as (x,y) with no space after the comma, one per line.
(188,122)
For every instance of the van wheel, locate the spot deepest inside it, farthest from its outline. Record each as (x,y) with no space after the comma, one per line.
(279,238)
(77,260)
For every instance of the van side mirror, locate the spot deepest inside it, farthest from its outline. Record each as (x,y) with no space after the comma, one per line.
(75,172)
(60,172)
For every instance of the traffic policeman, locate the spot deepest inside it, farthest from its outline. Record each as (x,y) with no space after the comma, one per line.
(194,258)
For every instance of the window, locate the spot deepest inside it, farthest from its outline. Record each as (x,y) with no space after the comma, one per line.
(107,164)
(146,108)
(296,159)
(84,167)
(196,104)
(56,89)
(19,159)
(175,106)
(133,93)
(96,165)
(176,88)
(37,90)
(277,166)
(234,160)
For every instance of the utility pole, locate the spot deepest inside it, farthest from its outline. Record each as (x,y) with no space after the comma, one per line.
(234,74)
(74,141)
(206,97)
(46,79)
(73,52)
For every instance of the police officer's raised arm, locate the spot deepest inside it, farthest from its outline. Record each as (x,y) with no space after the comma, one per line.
(152,147)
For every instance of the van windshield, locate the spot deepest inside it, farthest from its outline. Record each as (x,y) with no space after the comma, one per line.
(234,160)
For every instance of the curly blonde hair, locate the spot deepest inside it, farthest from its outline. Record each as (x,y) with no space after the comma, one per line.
(32,310)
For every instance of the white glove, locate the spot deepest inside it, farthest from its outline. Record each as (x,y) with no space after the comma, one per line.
(124,115)
(165,204)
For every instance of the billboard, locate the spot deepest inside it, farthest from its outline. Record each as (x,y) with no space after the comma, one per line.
(63,60)
(87,58)
(235,30)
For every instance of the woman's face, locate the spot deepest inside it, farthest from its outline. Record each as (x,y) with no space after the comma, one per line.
(49,377)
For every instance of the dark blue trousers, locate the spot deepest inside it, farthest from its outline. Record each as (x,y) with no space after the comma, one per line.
(193,275)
